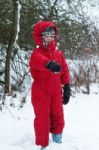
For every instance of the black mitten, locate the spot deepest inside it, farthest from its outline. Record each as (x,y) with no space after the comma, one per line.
(66,93)
(53,66)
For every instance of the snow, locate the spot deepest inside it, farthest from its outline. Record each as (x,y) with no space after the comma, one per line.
(81,125)
(18,24)
(18,20)
(92,10)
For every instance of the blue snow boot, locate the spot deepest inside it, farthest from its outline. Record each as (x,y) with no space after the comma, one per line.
(43,148)
(57,138)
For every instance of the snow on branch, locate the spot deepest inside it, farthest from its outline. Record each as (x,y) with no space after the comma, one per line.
(17,23)
(18,19)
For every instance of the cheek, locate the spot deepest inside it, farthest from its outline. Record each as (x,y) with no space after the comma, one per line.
(49,39)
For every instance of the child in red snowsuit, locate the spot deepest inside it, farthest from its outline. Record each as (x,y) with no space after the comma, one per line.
(50,88)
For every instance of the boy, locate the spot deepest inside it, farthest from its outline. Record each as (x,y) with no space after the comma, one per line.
(50,88)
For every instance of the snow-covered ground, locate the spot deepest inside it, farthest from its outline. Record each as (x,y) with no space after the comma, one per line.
(81,131)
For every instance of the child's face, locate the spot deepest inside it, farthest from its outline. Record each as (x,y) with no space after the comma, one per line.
(48,39)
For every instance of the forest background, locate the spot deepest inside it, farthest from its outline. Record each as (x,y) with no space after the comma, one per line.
(78,38)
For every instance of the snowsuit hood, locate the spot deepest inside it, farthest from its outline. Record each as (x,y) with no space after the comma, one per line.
(40,27)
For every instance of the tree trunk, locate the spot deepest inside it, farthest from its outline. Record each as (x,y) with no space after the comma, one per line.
(11,46)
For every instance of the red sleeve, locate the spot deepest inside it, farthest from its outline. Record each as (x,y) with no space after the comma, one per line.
(65,77)
(37,64)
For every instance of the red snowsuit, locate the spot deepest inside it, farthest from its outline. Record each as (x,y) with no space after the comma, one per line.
(47,86)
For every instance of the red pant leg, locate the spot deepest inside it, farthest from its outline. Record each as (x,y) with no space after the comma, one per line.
(41,104)
(56,115)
